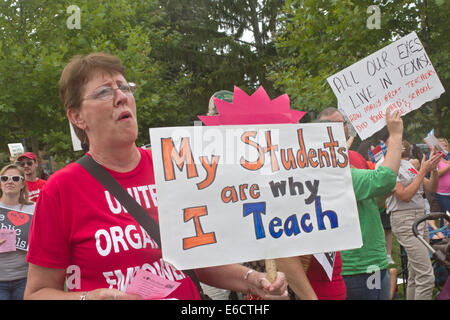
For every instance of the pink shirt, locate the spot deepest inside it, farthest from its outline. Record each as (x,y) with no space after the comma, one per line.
(444,180)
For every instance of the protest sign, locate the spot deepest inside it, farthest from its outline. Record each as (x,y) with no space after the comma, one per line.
(399,76)
(327,260)
(231,194)
(7,240)
(378,152)
(18,221)
(15,149)
(150,286)
(433,143)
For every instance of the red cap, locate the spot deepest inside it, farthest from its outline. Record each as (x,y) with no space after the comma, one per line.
(29,155)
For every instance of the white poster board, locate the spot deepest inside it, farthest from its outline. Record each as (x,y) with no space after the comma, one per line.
(15,149)
(433,143)
(399,76)
(231,194)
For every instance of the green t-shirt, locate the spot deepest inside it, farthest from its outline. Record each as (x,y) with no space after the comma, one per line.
(367,185)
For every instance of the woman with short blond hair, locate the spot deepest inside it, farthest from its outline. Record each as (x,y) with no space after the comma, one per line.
(13,266)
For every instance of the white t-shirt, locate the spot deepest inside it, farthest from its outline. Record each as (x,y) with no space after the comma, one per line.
(406,174)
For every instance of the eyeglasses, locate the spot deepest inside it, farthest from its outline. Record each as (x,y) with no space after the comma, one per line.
(23,163)
(107,93)
(13,178)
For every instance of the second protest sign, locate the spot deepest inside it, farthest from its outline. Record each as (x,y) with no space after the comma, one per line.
(399,77)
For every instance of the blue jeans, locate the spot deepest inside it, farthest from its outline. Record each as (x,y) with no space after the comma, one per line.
(12,290)
(444,201)
(368,286)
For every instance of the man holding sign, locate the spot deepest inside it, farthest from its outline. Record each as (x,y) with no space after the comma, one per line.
(356,263)
(15,211)
(397,77)
(365,269)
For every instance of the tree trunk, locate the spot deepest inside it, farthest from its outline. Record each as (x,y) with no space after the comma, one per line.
(437,120)
(425,30)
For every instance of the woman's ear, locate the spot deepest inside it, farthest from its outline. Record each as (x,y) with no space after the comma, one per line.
(75,118)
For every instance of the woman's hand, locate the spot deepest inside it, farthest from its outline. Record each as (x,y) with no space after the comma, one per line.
(110,294)
(260,286)
(431,163)
(395,127)
(394,124)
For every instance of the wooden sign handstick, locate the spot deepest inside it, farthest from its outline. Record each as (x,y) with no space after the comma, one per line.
(271,269)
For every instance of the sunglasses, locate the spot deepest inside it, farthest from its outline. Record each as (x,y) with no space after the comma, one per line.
(13,178)
(22,163)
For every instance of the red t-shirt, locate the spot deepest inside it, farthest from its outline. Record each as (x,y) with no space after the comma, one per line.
(34,188)
(357,160)
(80,227)
(323,287)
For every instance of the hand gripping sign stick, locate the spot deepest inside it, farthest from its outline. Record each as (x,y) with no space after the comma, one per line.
(257,109)
(271,270)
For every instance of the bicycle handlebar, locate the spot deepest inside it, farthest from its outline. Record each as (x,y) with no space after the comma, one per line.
(431,216)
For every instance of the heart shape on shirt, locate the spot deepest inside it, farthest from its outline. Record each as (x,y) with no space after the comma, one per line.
(18,218)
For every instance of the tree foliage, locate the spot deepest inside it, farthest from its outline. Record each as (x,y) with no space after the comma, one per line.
(179,52)
(36,43)
(258,20)
(320,38)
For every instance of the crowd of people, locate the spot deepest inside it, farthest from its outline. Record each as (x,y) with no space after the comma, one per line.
(78,232)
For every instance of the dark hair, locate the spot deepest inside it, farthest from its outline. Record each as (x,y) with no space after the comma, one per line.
(364,149)
(382,135)
(416,152)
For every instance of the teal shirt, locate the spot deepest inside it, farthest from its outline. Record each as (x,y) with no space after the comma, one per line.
(368,184)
